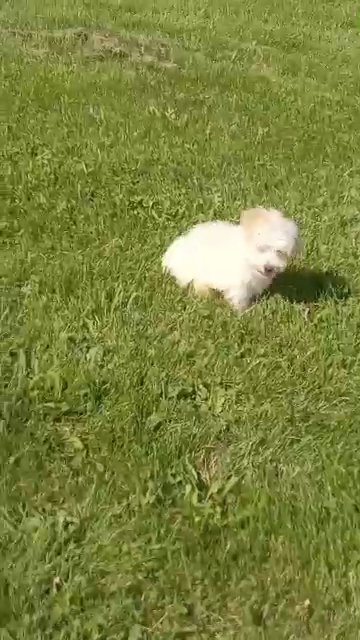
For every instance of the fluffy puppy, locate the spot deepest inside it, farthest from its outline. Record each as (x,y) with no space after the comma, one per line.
(237,260)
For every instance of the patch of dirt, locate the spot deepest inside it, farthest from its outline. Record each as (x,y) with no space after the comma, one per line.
(97,45)
(210,463)
(264,71)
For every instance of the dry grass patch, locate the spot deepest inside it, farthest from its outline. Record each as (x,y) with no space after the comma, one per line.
(98,45)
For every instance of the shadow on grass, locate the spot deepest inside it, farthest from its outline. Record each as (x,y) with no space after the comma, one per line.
(309,285)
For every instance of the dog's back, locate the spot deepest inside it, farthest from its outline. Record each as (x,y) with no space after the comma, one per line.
(206,254)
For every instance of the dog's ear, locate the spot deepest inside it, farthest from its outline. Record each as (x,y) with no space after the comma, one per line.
(295,243)
(251,219)
(249,216)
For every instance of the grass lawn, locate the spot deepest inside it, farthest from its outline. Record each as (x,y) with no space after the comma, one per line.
(168,469)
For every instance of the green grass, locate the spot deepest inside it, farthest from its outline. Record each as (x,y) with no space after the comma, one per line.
(169,470)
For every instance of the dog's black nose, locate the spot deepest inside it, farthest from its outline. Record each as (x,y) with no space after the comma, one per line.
(268,270)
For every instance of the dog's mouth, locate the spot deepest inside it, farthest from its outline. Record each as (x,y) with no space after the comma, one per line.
(267,272)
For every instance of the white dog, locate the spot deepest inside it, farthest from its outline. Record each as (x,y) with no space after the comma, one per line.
(238,260)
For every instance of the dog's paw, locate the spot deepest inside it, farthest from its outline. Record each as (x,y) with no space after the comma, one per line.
(237,300)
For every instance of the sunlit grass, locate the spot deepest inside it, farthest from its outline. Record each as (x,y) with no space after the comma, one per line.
(169,470)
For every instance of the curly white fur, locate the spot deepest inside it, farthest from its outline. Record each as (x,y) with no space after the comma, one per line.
(238,260)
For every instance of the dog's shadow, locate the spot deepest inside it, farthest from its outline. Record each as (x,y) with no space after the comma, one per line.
(308,285)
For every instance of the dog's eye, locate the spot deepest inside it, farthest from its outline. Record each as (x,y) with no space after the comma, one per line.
(281,254)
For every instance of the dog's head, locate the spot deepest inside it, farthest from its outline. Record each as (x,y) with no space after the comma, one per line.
(272,240)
